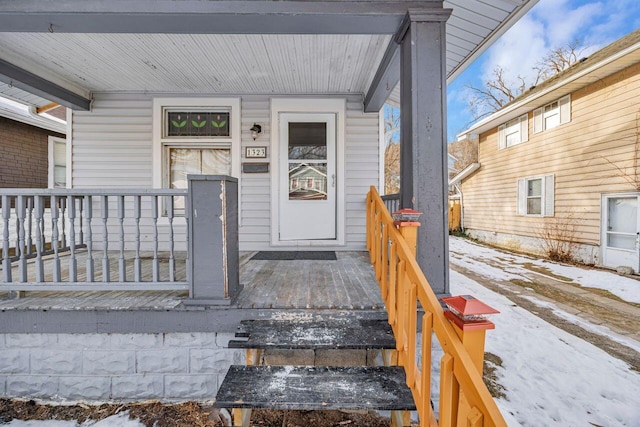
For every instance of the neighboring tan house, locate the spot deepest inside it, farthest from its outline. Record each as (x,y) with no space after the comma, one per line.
(32,142)
(562,161)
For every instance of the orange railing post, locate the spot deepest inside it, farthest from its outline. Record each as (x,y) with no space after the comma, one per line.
(464,399)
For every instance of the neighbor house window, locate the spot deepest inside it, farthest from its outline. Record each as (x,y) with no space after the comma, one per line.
(513,132)
(57,162)
(536,196)
(552,115)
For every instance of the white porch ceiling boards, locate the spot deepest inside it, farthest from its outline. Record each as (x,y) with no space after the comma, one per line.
(194,63)
(280,61)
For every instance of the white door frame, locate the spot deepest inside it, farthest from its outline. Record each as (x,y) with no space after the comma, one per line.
(604,214)
(335,106)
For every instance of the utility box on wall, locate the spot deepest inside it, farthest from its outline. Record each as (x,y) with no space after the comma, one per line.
(213,239)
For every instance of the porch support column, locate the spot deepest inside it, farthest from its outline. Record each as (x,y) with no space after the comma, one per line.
(423,152)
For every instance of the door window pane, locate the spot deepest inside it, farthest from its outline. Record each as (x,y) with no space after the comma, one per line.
(307,141)
(621,241)
(623,215)
(307,181)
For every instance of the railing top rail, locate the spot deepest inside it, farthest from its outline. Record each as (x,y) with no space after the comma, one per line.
(464,371)
(395,196)
(93,192)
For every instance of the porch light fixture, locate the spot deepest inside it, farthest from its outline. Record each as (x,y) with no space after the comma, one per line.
(255,130)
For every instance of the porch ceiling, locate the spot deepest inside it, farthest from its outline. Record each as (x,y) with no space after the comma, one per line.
(184,56)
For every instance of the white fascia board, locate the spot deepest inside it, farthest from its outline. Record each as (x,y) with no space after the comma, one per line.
(465,173)
(528,103)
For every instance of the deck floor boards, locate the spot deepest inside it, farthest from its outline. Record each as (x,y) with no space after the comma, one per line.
(347,283)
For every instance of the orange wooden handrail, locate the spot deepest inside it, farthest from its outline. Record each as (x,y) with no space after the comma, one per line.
(464,398)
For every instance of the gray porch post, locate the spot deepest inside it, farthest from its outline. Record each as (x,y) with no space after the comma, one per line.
(423,164)
(213,239)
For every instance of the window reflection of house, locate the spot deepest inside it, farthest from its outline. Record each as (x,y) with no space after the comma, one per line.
(308,182)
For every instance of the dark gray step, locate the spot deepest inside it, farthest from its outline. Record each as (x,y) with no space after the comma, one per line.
(315,388)
(342,333)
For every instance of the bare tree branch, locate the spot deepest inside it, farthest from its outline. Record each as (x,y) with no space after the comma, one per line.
(498,91)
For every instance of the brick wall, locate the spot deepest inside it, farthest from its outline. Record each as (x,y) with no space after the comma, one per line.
(23,155)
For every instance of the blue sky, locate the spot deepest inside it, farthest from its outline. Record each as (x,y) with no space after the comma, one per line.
(549,24)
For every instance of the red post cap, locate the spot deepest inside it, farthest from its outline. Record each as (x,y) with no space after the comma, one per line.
(468,312)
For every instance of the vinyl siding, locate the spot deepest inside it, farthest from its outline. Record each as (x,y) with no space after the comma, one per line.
(584,155)
(112,147)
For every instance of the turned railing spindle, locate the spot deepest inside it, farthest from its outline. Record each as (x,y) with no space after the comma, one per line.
(55,236)
(122,265)
(88,213)
(30,225)
(80,216)
(137,269)
(73,262)
(156,261)
(172,262)
(63,212)
(6,258)
(106,276)
(21,210)
(38,207)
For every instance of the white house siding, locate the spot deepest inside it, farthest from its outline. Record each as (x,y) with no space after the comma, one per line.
(584,155)
(112,147)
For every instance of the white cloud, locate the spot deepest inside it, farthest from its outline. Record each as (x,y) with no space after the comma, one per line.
(518,51)
(556,23)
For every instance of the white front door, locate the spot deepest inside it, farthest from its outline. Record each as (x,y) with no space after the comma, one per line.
(307,176)
(620,231)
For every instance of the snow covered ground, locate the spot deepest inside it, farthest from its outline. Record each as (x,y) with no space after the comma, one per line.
(119,420)
(551,377)
(499,265)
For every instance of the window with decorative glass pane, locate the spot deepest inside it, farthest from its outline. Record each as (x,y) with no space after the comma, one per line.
(196,123)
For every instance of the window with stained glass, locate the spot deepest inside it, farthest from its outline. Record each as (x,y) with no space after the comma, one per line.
(196,124)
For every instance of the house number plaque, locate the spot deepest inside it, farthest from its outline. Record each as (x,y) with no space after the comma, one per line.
(255,152)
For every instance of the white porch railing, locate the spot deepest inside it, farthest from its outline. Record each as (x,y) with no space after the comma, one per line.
(93,240)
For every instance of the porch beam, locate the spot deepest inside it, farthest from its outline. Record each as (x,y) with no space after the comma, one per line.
(423,144)
(208,17)
(386,78)
(27,81)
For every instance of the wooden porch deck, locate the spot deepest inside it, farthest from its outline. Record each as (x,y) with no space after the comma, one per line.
(347,283)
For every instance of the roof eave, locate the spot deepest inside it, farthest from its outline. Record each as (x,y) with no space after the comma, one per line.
(528,102)
(465,173)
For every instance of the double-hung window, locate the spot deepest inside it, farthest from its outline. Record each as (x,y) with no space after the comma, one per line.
(552,115)
(194,136)
(536,196)
(513,132)
(57,162)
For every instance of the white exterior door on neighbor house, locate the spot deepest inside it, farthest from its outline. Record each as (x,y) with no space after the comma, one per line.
(620,230)
(307,183)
